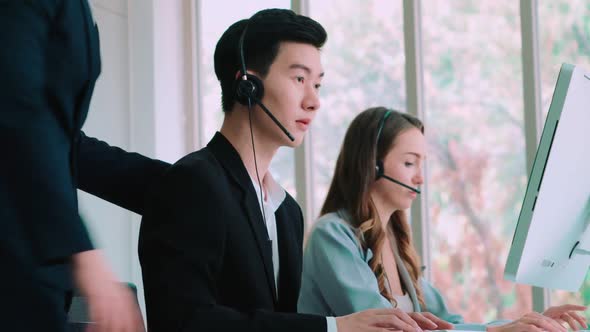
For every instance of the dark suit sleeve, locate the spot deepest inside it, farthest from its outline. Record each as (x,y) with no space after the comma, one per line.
(182,241)
(120,177)
(35,167)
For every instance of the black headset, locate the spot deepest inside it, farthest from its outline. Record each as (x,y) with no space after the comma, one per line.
(379,169)
(249,88)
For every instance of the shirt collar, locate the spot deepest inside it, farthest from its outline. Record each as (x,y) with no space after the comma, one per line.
(275,193)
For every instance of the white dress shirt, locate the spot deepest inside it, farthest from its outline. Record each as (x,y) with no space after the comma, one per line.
(274,198)
(275,195)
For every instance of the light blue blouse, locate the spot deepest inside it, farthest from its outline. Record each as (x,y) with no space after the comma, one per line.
(337,279)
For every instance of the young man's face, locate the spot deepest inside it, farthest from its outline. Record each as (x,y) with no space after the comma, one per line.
(291,92)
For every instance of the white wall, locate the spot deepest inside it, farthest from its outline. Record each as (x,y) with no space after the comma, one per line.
(109,119)
(142,102)
(172,73)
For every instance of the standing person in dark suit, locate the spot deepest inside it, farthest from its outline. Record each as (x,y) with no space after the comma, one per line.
(49,63)
(120,177)
(221,241)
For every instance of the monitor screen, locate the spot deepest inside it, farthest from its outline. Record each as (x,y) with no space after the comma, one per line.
(550,248)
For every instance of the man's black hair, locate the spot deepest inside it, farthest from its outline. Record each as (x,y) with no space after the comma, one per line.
(266,30)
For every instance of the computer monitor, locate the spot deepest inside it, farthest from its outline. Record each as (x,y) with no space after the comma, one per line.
(551,244)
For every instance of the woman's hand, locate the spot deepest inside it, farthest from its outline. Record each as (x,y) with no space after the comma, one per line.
(428,321)
(373,320)
(533,321)
(566,314)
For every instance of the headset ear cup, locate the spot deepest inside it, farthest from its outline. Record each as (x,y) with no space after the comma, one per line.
(252,87)
(379,169)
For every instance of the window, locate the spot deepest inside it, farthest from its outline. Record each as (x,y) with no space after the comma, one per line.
(364,64)
(477,173)
(564,33)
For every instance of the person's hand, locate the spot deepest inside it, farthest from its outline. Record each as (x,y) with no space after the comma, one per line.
(376,320)
(428,321)
(111,305)
(533,321)
(567,314)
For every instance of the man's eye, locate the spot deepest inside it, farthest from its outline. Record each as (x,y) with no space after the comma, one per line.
(408,164)
(300,79)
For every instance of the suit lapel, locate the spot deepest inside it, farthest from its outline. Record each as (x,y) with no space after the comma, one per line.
(229,158)
(251,206)
(290,258)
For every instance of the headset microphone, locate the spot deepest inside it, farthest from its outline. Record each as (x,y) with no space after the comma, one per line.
(379,171)
(275,120)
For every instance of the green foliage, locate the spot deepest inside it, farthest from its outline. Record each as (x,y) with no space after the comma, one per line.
(563,7)
(445,74)
(509,299)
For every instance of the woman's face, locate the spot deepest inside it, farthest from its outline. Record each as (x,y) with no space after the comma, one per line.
(402,163)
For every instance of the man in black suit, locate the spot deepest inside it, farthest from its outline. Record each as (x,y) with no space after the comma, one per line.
(221,241)
(49,63)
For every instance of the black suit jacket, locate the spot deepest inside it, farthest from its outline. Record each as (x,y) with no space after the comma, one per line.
(205,255)
(49,62)
(120,177)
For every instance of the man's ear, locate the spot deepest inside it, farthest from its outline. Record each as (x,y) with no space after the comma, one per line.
(250,72)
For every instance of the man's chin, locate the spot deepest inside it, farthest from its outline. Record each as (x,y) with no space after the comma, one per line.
(295,143)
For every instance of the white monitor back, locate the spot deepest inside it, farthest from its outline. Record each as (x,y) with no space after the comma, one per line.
(556,208)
